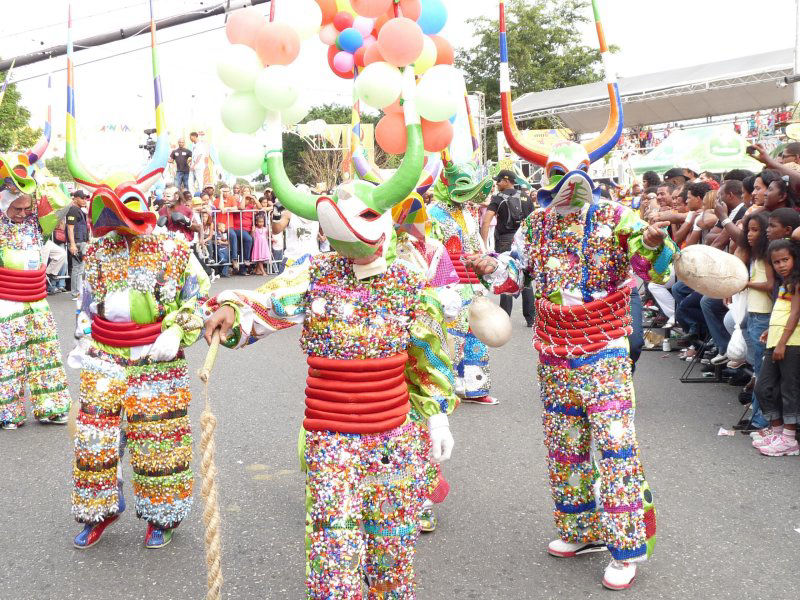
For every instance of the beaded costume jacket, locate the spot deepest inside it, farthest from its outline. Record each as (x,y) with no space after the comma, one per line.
(347,318)
(21,243)
(580,256)
(144,280)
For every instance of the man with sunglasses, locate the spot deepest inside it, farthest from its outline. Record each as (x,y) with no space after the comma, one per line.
(30,359)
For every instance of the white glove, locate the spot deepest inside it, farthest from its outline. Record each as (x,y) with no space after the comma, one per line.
(166,346)
(441,439)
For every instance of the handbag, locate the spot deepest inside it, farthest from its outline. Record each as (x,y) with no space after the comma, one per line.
(59,235)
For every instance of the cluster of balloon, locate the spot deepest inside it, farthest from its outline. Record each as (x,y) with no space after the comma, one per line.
(372,40)
(257,67)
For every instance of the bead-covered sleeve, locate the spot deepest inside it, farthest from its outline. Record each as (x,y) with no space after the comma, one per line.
(651,264)
(187,311)
(276,305)
(429,370)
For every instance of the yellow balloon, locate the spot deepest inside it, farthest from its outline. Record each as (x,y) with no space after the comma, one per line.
(344,5)
(427,57)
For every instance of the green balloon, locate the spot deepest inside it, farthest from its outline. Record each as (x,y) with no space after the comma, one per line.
(241,154)
(242,113)
(379,84)
(275,88)
(238,67)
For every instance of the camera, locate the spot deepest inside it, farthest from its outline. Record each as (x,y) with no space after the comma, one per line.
(150,144)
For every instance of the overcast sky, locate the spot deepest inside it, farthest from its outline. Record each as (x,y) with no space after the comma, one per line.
(653,35)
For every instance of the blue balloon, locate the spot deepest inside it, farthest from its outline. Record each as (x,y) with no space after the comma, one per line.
(350,40)
(433,16)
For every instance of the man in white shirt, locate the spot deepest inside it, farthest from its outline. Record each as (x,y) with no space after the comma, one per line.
(301,235)
(199,155)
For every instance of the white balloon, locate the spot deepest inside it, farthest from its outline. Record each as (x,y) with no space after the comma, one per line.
(304,15)
(241,154)
(276,87)
(238,67)
(242,113)
(440,92)
(363,25)
(295,113)
(328,34)
(379,84)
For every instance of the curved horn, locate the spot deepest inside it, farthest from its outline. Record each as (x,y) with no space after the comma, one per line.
(37,152)
(404,181)
(152,171)
(6,80)
(81,174)
(530,152)
(605,142)
(297,202)
(358,154)
(476,141)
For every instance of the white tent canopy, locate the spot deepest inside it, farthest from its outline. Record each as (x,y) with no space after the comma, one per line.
(731,86)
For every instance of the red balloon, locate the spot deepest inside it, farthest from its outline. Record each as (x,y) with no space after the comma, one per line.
(333,51)
(370,8)
(372,54)
(243,26)
(401,41)
(277,44)
(390,133)
(358,57)
(436,136)
(329,10)
(444,50)
(395,107)
(343,20)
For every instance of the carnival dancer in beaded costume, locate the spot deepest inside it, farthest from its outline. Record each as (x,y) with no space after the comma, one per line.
(455,226)
(138,309)
(374,337)
(579,251)
(30,355)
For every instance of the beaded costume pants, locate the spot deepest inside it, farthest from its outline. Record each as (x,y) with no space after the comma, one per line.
(365,497)
(471,358)
(30,356)
(154,399)
(588,402)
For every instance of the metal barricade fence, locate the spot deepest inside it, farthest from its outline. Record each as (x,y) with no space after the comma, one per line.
(216,251)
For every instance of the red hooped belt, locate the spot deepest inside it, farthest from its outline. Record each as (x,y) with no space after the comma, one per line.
(570,331)
(23,286)
(465,275)
(356,396)
(124,335)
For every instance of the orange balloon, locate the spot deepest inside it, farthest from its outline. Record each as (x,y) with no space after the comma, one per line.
(395,107)
(445,54)
(333,51)
(243,26)
(436,136)
(411,9)
(277,44)
(370,8)
(372,54)
(329,10)
(390,133)
(358,57)
(401,41)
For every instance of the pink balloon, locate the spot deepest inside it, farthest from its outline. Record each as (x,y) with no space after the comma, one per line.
(328,34)
(243,26)
(372,54)
(436,136)
(390,133)
(368,41)
(371,8)
(401,41)
(363,25)
(277,44)
(343,61)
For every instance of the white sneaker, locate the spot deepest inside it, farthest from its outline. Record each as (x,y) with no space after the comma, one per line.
(670,323)
(619,575)
(563,549)
(719,359)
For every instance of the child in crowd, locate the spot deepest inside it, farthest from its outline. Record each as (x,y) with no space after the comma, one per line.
(262,245)
(223,250)
(759,299)
(778,385)
(782,222)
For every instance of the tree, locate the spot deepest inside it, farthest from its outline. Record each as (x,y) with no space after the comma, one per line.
(13,118)
(544,48)
(57,165)
(322,167)
(26,137)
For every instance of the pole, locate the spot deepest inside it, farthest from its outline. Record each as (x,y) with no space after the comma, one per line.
(127,32)
(796,86)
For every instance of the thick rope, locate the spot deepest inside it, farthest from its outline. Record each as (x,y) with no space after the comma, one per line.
(208,469)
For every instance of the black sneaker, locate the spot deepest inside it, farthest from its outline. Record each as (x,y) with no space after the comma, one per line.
(740,378)
(743,424)
(686,340)
(745,397)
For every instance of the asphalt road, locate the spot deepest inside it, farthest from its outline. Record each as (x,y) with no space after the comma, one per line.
(726,515)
